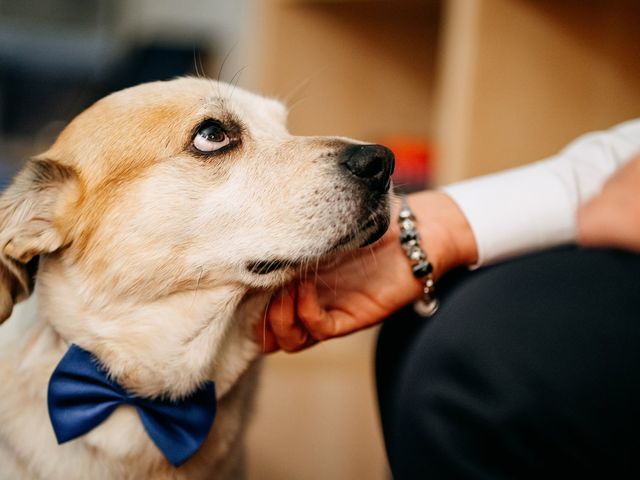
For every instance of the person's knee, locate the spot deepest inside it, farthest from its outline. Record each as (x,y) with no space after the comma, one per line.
(452,401)
(508,378)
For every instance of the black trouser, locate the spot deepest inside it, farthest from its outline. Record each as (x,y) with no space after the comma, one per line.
(531,369)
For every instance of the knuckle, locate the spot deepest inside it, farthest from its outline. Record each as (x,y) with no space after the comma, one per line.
(292,347)
(294,341)
(320,332)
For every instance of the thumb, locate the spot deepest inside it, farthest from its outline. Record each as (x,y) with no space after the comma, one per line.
(601,223)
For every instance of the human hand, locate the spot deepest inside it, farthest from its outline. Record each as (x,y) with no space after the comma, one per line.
(363,288)
(612,218)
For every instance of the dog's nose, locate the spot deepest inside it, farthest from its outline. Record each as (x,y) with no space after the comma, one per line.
(372,164)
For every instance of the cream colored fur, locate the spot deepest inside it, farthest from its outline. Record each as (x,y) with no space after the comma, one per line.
(143,247)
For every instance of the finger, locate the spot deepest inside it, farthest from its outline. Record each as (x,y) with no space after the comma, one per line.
(290,335)
(265,336)
(600,223)
(319,322)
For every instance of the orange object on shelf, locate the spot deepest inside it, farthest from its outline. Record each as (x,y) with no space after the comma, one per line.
(414,162)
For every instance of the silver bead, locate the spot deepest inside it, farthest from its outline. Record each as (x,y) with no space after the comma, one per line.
(416,254)
(407,224)
(405,213)
(426,308)
(409,244)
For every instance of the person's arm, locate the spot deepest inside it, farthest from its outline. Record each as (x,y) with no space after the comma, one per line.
(534,207)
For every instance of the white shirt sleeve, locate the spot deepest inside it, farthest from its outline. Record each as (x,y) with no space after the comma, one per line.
(534,207)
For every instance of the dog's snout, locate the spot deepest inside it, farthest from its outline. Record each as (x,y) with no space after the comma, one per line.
(372,164)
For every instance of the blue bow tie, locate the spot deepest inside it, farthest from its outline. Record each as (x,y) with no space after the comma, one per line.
(81,396)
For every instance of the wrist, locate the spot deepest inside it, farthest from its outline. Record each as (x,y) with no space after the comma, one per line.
(446,234)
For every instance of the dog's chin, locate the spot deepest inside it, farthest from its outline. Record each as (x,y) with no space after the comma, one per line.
(366,233)
(380,228)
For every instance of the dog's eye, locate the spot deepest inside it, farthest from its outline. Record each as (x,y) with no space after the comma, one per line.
(210,137)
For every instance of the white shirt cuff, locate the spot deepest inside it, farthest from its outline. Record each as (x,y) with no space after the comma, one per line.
(515,212)
(534,207)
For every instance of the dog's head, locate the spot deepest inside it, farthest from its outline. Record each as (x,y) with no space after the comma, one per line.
(161,195)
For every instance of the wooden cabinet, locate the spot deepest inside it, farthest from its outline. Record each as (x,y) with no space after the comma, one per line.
(354,68)
(522,78)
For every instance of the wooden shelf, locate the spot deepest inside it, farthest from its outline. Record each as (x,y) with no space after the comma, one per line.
(359,69)
(520,79)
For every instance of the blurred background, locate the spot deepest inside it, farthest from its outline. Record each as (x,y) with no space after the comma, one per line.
(456,88)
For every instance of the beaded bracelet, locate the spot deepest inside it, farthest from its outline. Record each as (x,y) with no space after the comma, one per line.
(420,265)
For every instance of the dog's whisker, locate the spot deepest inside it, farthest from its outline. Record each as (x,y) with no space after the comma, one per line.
(224,61)
(195,291)
(198,66)
(221,69)
(321,280)
(400,185)
(202,68)
(303,84)
(282,303)
(236,78)
(296,89)
(315,280)
(362,264)
(306,268)
(195,63)
(291,107)
(372,252)
(264,325)
(335,288)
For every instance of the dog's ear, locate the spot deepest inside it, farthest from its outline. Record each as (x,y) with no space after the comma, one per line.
(30,211)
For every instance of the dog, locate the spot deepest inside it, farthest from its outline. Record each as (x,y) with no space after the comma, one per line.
(152,234)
